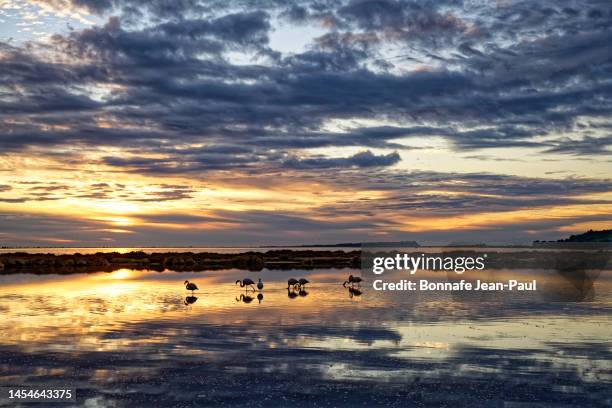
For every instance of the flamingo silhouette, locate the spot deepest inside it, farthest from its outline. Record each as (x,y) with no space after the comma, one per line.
(259,284)
(246,282)
(303,282)
(291,294)
(190,286)
(292,282)
(352,280)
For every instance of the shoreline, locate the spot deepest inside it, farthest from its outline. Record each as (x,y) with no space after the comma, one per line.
(17,262)
(285,259)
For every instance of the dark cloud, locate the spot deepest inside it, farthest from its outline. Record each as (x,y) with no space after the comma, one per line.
(399,21)
(168,194)
(13,200)
(174,81)
(587,146)
(239,158)
(362,159)
(183,164)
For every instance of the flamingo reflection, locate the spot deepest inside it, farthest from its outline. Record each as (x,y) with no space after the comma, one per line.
(244,298)
(354,292)
(190,300)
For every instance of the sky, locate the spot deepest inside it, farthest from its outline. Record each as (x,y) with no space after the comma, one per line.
(231,123)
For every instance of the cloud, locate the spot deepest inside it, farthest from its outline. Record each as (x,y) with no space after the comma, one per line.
(51,191)
(173,79)
(587,146)
(399,21)
(193,89)
(446,194)
(137,7)
(382,200)
(242,159)
(362,159)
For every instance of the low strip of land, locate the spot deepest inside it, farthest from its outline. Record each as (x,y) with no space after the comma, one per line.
(177,261)
(18,262)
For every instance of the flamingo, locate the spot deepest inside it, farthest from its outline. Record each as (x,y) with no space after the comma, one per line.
(292,282)
(259,284)
(291,294)
(352,280)
(303,282)
(246,282)
(190,286)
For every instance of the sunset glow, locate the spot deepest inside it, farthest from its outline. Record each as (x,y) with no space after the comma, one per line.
(287,125)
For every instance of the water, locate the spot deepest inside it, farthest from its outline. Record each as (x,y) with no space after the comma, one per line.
(136,338)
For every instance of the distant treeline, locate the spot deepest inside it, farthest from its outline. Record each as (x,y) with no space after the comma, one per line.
(589,236)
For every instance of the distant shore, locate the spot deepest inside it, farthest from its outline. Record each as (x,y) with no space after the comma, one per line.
(17,262)
(178,261)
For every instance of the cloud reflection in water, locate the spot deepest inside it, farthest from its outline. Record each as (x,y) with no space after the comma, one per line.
(139,340)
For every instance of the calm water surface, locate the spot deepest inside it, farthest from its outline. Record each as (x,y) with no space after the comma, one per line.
(136,338)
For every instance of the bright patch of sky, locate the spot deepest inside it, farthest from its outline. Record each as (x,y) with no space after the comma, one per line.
(292,39)
(21,21)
